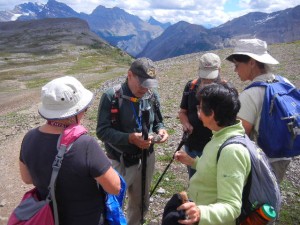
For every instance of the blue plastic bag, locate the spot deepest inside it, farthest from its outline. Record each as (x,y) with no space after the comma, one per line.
(113,204)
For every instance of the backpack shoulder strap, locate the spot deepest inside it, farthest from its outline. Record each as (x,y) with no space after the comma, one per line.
(115,104)
(246,204)
(238,139)
(64,143)
(194,83)
(278,79)
(71,134)
(156,108)
(117,93)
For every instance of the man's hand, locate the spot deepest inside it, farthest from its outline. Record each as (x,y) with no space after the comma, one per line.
(138,140)
(187,127)
(184,120)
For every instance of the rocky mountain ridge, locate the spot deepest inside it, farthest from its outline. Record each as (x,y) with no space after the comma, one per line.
(184,38)
(160,41)
(46,35)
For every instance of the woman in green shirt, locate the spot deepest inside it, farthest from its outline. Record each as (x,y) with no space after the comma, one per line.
(216,188)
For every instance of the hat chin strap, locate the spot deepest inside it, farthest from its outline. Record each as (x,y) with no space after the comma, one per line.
(64,123)
(56,124)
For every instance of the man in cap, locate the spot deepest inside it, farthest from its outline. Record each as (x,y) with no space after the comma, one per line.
(252,62)
(209,69)
(120,121)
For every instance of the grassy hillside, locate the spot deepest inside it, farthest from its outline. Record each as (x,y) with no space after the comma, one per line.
(22,74)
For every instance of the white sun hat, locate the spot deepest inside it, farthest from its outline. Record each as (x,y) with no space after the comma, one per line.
(254,48)
(64,97)
(209,66)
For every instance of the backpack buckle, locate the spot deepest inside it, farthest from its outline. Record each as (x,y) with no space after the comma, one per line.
(57,162)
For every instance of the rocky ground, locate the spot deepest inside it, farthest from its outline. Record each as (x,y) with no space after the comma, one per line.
(18,114)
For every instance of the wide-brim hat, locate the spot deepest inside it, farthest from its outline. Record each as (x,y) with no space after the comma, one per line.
(209,66)
(145,70)
(64,97)
(254,48)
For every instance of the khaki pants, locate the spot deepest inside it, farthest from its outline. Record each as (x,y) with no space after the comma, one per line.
(133,178)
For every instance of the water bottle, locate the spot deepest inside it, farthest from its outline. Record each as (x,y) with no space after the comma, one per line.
(260,216)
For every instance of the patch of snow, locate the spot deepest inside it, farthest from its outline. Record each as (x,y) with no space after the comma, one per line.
(15,17)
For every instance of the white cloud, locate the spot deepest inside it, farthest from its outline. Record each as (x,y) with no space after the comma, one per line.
(171,4)
(267,5)
(201,12)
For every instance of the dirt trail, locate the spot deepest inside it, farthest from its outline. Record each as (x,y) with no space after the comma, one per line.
(11,186)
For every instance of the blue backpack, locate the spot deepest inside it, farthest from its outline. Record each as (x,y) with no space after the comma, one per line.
(279,128)
(261,186)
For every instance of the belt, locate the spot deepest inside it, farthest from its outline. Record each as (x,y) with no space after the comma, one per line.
(126,155)
(136,156)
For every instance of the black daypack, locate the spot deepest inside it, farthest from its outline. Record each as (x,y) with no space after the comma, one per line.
(261,186)
(279,127)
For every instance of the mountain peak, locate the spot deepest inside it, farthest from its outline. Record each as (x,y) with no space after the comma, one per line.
(155,22)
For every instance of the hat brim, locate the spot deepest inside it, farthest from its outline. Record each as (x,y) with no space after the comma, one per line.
(148,82)
(208,74)
(51,114)
(264,58)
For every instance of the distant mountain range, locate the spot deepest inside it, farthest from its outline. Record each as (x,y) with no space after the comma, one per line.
(160,41)
(184,38)
(116,26)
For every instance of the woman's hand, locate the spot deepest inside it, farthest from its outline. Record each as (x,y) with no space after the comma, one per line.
(184,158)
(192,213)
(162,136)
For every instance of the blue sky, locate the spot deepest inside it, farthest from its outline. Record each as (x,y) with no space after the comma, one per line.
(202,12)
(231,6)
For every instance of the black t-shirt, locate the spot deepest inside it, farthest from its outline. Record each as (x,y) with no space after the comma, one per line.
(79,199)
(201,135)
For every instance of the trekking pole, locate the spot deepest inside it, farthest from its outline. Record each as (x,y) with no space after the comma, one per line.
(183,140)
(145,129)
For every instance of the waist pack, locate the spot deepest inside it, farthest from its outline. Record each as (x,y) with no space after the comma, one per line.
(279,128)
(261,186)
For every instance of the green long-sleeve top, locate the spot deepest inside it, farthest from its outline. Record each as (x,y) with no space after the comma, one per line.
(217,187)
(117,136)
